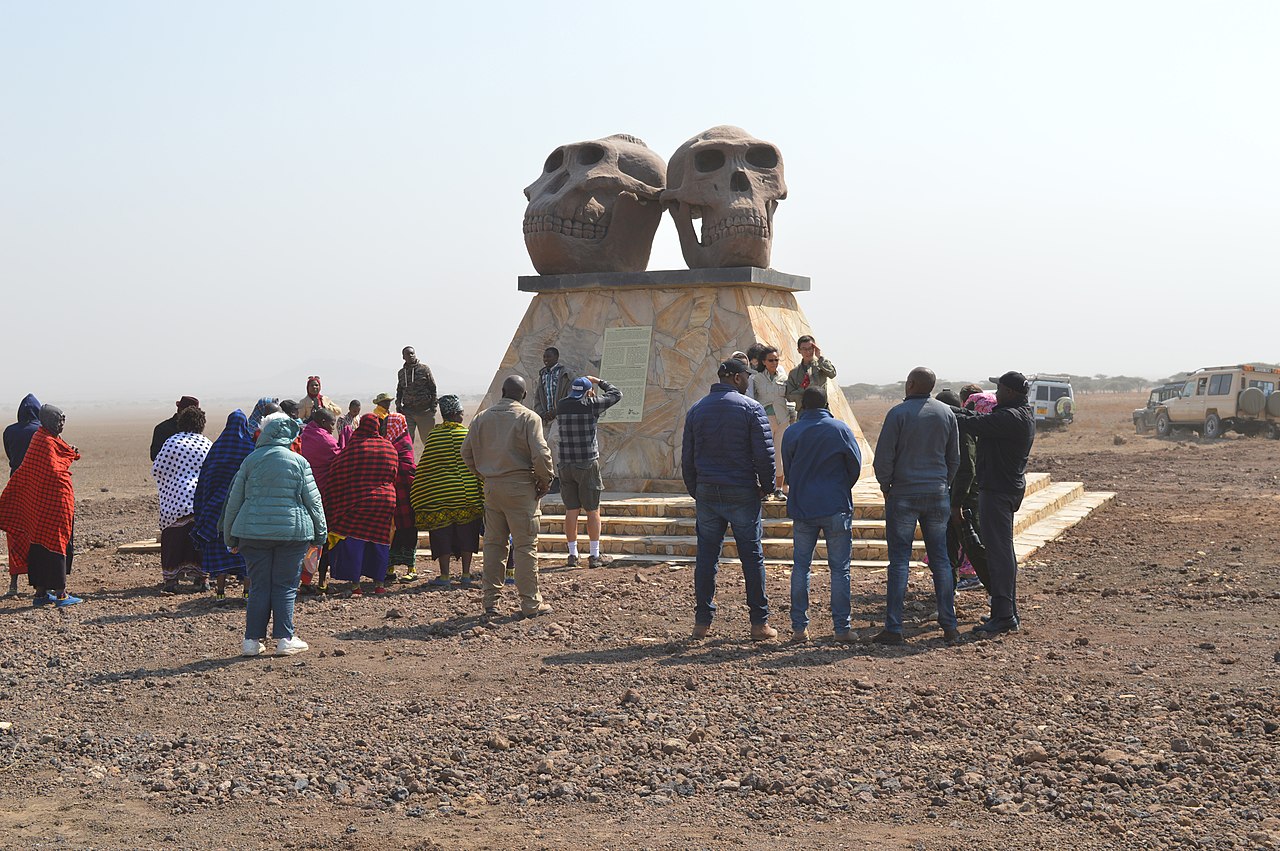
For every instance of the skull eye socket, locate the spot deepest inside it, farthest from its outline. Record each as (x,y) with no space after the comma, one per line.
(706,161)
(590,154)
(762,156)
(554,161)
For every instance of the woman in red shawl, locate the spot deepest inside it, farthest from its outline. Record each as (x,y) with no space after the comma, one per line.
(404,542)
(360,505)
(37,508)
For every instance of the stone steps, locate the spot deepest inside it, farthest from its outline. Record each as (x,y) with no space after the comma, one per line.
(676,536)
(868,503)
(644,528)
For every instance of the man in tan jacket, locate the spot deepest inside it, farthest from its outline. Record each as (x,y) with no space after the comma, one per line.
(506,448)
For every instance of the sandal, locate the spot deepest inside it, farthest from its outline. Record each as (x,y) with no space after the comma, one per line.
(357,591)
(381,589)
(411,576)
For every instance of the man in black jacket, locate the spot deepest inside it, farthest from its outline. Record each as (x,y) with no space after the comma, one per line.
(1004,442)
(168,428)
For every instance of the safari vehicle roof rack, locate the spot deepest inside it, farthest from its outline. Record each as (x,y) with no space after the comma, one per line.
(1045,376)
(1246,367)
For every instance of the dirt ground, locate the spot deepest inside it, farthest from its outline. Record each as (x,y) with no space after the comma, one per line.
(1138,707)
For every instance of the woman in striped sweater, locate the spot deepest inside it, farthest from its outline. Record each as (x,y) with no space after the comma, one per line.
(448,500)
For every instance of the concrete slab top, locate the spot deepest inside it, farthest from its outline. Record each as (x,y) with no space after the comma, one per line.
(732,277)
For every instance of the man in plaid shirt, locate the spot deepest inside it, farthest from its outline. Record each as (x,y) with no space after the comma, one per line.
(579,461)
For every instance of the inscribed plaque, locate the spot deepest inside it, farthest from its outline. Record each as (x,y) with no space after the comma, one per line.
(625,365)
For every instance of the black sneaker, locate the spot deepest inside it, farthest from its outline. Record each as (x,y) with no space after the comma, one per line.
(571,561)
(990,629)
(884,636)
(601,560)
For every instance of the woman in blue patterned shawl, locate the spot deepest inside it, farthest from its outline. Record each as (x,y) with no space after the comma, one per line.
(219,468)
(265,406)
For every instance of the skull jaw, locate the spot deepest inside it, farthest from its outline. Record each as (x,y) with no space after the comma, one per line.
(727,252)
(624,248)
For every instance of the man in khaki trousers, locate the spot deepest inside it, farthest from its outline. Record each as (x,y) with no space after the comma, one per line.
(506,448)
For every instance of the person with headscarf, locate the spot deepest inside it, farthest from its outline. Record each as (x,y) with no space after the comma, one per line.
(318,446)
(314,400)
(167,429)
(264,407)
(216,473)
(17,438)
(360,506)
(37,511)
(272,516)
(176,471)
(404,540)
(447,498)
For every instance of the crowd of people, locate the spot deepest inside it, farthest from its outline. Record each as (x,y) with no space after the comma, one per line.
(298,494)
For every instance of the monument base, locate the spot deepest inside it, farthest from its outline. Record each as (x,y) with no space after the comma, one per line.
(695,324)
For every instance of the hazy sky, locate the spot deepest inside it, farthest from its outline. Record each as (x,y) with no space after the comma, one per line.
(195,196)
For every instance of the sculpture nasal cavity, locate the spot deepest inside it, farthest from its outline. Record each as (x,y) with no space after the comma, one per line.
(740,182)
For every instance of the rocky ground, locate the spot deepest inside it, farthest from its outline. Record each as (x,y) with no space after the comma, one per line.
(1137,708)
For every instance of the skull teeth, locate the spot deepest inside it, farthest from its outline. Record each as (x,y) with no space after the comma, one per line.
(754,226)
(575,228)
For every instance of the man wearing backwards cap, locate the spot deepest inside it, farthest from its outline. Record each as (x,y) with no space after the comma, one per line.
(579,461)
(167,429)
(1004,441)
(728,468)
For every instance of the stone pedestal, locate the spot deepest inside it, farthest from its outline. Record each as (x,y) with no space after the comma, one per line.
(699,317)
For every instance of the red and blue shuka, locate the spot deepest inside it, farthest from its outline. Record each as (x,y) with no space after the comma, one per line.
(360,503)
(37,508)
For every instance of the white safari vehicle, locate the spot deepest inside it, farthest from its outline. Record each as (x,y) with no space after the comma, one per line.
(1217,399)
(1051,399)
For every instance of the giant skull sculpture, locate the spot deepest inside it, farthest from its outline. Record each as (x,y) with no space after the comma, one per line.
(733,183)
(595,207)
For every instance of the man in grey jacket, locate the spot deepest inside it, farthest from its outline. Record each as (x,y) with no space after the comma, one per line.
(917,456)
(416,394)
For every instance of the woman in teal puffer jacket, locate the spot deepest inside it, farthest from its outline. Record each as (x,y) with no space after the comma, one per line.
(273,514)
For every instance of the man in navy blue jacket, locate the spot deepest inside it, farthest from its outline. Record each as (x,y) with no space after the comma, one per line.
(822,462)
(727,463)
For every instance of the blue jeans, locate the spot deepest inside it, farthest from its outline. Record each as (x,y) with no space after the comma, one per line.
(721,506)
(933,511)
(274,570)
(838,530)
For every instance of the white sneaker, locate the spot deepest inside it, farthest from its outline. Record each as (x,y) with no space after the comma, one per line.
(252,647)
(289,646)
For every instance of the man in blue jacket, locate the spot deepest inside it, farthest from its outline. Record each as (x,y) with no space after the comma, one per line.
(822,462)
(917,456)
(727,463)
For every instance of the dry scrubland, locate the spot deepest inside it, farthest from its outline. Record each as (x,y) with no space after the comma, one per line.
(1138,707)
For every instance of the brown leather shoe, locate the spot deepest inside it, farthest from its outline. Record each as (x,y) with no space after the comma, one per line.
(951,637)
(799,636)
(884,636)
(846,637)
(762,632)
(701,630)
